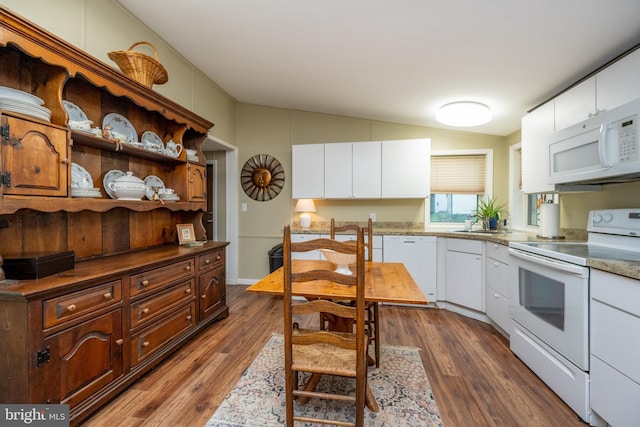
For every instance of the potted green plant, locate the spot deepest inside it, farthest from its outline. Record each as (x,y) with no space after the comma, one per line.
(489,212)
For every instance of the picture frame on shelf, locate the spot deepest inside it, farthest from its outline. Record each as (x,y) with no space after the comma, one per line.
(186,234)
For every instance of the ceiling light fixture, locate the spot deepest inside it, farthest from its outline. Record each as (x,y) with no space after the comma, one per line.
(464,114)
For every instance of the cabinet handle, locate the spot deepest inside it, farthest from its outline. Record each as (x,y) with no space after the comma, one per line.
(144,282)
(71,307)
(120,341)
(495,264)
(188,317)
(495,296)
(218,257)
(145,310)
(188,290)
(208,261)
(188,267)
(203,296)
(107,295)
(145,344)
(64,161)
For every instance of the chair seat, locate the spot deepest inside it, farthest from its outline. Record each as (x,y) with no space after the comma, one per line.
(324,357)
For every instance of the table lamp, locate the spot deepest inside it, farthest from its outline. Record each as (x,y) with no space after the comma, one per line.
(305,206)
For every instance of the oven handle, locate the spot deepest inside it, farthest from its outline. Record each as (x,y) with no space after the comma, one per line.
(577,270)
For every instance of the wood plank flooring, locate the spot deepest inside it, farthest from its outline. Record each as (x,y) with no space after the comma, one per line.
(475,378)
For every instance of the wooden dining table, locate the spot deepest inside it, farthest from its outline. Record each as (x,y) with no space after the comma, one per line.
(385,282)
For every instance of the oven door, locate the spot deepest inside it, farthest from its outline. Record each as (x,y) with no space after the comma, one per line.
(550,299)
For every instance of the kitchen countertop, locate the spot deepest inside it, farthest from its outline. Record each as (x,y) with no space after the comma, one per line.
(621,267)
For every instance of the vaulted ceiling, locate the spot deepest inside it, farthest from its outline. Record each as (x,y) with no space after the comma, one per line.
(395,60)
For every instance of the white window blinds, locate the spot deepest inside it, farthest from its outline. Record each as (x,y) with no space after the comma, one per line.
(463,174)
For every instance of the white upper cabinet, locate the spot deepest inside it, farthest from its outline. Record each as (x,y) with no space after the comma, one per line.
(576,104)
(367,170)
(338,170)
(406,168)
(536,128)
(307,170)
(618,83)
(358,170)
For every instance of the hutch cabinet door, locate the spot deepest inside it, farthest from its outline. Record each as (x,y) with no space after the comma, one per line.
(36,158)
(84,359)
(211,287)
(197,185)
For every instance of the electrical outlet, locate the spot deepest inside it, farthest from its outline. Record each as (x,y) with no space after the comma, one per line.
(372,215)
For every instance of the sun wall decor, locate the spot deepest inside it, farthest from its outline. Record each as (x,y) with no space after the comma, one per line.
(262,177)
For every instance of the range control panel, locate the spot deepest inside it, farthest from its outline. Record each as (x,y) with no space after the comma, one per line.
(625,222)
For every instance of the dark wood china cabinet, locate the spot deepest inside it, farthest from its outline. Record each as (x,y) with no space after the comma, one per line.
(134,295)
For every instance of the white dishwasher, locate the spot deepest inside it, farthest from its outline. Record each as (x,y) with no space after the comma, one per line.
(418,254)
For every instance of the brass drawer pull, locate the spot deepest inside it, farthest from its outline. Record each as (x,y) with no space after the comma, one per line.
(188,267)
(145,310)
(203,296)
(208,261)
(188,290)
(71,307)
(218,257)
(188,317)
(145,344)
(107,295)
(120,341)
(144,283)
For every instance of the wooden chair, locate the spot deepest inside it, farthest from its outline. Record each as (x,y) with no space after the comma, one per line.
(320,352)
(372,309)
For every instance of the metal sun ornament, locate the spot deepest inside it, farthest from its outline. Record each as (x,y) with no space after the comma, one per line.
(262,177)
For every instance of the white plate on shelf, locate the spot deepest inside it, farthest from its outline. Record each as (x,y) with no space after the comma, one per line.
(110,176)
(153,181)
(26,108)
(121,125)
(80,178)
(86,192)
(75,113)
(152,142)
(11,93)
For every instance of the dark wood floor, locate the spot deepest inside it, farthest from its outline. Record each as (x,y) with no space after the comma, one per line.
(475,379)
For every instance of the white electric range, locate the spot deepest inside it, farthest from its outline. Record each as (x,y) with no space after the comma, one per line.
(549,304)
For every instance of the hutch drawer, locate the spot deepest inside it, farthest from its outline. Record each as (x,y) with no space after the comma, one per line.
(147,341)
(67,307)
(149,308)
(211,260)
(153,279)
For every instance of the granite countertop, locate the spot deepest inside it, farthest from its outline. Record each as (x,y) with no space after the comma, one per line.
(621,267)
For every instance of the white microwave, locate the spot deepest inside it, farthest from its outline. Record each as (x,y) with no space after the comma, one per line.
(604,148)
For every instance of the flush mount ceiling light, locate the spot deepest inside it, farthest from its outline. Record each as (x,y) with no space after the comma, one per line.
(464,114)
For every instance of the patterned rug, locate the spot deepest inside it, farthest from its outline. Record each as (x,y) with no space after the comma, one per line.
(400,386)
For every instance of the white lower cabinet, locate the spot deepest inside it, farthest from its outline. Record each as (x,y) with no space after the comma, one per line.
(464,273)
(615,348)
(303,237)
(497,281)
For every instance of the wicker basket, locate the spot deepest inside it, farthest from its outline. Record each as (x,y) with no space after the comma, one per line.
(140,67)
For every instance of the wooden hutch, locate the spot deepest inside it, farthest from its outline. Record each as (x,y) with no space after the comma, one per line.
(81,336)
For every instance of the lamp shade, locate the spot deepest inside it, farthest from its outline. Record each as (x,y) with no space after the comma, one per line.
(464,114)
(305,205)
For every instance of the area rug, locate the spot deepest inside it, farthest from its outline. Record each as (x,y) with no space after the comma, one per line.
(400,386)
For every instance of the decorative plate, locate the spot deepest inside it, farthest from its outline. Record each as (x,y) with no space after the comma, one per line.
(262,177)
(119,124)
(152,181)
(8,92)
(80,178)
(75,113)
(110,176)
(152,142)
